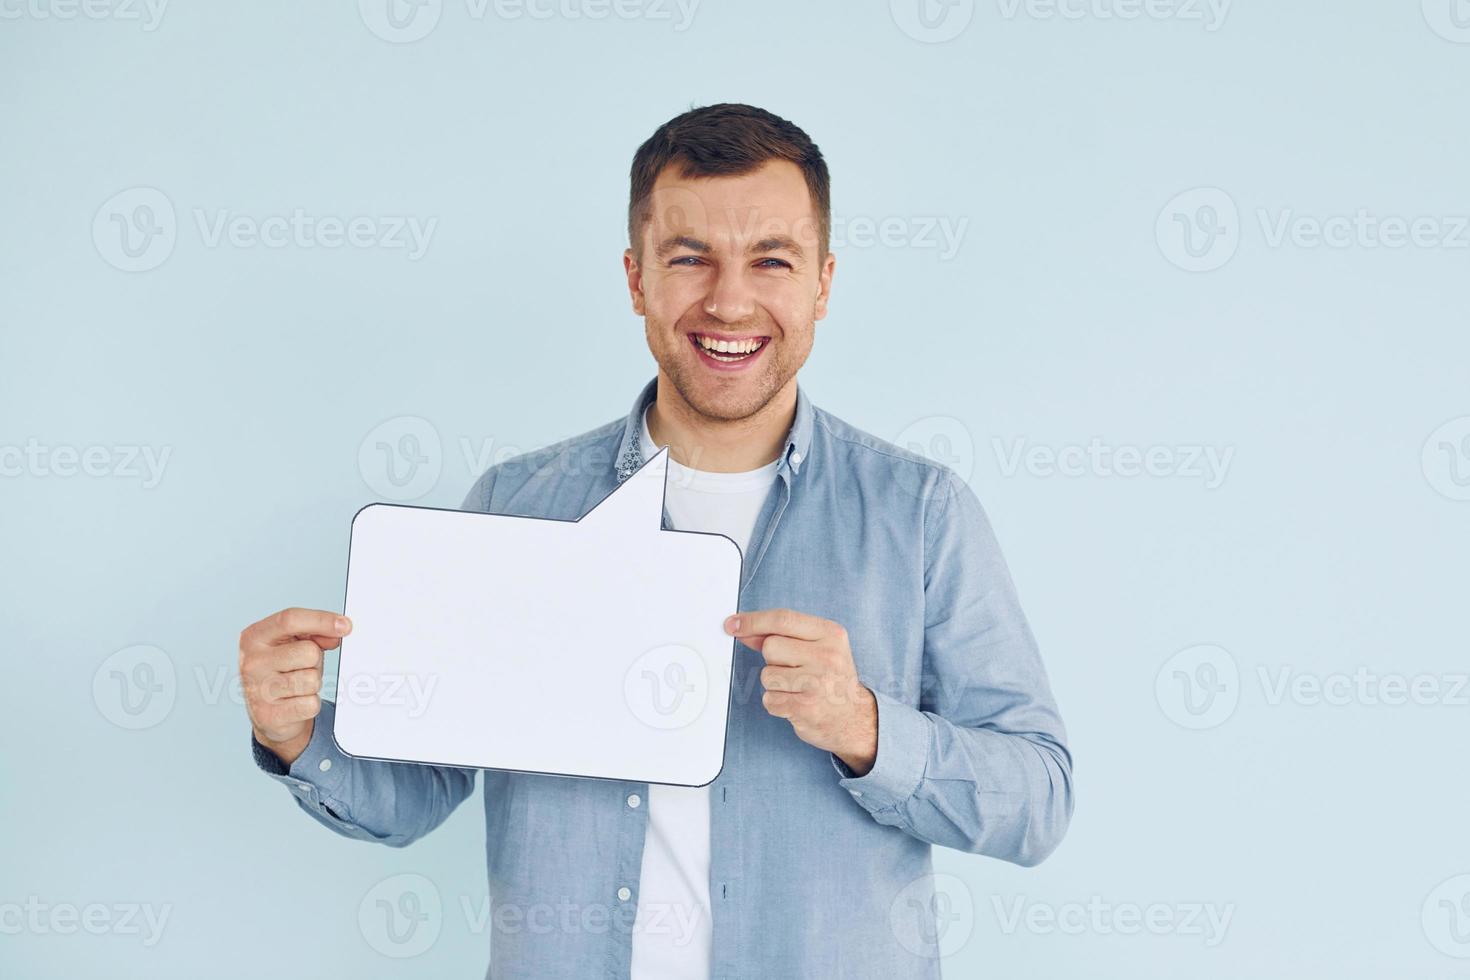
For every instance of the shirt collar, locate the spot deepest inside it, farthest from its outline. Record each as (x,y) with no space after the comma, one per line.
(798,440)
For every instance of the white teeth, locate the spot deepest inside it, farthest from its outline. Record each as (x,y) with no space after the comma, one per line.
(736,347)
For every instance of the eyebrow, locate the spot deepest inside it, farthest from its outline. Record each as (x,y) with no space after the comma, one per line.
(774,243)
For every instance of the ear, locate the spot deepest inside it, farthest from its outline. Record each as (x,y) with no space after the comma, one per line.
(635,280)
(824,286)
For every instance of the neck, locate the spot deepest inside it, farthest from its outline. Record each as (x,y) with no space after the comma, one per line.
(721,445)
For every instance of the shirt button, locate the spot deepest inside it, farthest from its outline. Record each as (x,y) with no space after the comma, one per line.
(624,894)
(796,459)
(634,799)
(857,792)
(324,765)
(303,789)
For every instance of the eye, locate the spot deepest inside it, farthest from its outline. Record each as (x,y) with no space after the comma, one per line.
(773,264)
(686,260)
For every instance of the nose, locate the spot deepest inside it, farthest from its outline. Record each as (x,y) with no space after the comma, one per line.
(730,299)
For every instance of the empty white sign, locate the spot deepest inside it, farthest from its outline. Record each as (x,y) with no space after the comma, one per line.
(592,647)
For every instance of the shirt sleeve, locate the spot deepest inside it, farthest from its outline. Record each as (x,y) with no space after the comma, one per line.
(393,803)
(981,763)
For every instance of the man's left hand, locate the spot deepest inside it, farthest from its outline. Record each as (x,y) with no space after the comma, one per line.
(811,681)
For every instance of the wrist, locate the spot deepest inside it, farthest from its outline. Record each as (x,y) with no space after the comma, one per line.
(287,750)
(862,751)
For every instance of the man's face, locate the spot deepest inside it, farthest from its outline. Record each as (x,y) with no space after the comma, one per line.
(730,284)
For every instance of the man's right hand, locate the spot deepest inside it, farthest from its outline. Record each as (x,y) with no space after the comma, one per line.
(281,673)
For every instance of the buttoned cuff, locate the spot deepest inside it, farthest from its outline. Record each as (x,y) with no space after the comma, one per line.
(903,753)
(318,773)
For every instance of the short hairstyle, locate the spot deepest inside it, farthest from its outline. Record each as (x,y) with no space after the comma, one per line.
(726,140)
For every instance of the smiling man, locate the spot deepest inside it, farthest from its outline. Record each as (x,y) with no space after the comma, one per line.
(888,693)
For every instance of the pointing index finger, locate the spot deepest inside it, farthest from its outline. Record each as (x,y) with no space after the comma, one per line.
(776,622)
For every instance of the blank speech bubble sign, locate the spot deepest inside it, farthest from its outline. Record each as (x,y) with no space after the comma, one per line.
(593,647)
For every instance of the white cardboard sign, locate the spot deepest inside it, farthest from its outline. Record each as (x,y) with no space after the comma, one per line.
(593,647)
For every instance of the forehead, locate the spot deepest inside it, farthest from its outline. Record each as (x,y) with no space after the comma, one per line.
(772,199)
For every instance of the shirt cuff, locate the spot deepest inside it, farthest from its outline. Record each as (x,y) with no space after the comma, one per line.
(903,753)
(318,773)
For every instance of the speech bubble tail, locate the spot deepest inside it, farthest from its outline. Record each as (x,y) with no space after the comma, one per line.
(638,501)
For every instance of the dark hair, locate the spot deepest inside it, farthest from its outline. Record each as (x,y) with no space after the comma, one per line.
(726,140)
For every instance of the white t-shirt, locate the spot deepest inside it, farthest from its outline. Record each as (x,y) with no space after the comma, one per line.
(673,933)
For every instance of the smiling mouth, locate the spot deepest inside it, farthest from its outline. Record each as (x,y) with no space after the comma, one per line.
(728,351)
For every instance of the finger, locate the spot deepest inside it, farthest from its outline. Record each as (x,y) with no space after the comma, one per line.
(304,624)
(304,708)
(326,642)
(292,684)
(782,622)
(788,680)
(783,651)
(778,704)
(301,654)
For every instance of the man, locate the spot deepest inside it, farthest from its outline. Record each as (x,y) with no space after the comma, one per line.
(888,694)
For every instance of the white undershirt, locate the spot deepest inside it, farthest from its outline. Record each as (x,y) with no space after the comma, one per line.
(673,933)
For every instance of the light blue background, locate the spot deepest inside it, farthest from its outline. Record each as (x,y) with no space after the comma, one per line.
(1330,546)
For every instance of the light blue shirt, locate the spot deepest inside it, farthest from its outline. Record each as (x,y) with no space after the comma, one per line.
(813,871)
